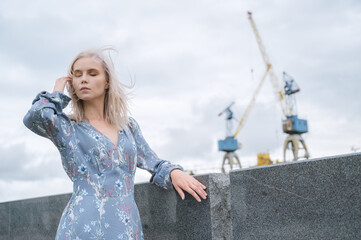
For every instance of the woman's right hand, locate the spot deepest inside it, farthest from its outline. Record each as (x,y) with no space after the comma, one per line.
(60,84)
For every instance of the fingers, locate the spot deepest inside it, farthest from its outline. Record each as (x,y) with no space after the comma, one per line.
(182,181)
(194,194)
(180,192)
(68,79)
(199,189)
(195,189)
(60,83)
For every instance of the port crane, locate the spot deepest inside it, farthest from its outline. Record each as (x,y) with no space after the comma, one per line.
(230,144)
(292,125)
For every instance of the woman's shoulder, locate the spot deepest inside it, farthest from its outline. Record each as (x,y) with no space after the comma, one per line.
(73,119)
(132,123)
(131,119)
(75,122)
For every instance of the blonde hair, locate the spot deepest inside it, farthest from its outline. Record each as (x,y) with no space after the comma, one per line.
(116,105)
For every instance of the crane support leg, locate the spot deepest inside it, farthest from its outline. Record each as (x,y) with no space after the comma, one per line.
(292,146)
(229,163)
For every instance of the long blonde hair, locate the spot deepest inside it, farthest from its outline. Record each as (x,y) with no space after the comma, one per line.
(116,105)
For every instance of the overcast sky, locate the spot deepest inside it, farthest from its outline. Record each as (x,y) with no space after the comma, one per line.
(189,59)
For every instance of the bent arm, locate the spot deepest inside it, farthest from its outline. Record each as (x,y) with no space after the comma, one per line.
(46,117)
(147,159)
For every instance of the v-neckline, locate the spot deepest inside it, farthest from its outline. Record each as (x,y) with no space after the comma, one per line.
(96,130)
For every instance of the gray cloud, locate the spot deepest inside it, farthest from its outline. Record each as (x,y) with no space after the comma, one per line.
(195,56)
(17,164)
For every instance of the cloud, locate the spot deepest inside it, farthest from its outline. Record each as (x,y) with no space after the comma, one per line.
(17,164)
(190,60)
(18,189)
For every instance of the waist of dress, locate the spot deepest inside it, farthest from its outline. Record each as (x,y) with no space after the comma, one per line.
(105,191)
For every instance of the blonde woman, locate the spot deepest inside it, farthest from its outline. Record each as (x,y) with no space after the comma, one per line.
(100,147)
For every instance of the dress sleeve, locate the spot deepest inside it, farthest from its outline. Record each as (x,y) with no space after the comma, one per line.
(46,118)
(148,159)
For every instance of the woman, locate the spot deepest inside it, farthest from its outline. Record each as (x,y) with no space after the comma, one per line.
(100,148)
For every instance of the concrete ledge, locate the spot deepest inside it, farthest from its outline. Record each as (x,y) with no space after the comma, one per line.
(29,219)
(165,216)
(163,213)
(315,199)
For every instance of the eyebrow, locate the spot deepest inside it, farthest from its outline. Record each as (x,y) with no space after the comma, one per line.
(88,70)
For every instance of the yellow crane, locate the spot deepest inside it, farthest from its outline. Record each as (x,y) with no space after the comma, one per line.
(250,105)
(292,125)
(230,144)
(273,77)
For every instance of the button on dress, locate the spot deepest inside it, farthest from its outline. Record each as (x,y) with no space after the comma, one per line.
(102,204)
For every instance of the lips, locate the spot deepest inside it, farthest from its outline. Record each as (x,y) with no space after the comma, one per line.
(84,88)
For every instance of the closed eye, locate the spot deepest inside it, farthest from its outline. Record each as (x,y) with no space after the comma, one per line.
(77,74)
(93,72)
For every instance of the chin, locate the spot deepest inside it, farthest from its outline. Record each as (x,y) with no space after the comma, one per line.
(85,98)
(82,97)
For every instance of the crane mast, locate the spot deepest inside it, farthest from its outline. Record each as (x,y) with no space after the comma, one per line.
(274,80)
(230,143)
(250,105)
(292,125)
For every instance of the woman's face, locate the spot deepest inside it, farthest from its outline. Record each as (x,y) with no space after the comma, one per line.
(89,79)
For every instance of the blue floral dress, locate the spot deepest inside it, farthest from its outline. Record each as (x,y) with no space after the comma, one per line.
(102,205)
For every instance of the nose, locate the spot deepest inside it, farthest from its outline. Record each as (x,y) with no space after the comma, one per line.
(84,79)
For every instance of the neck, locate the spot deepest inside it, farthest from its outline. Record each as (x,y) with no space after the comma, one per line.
(94,109)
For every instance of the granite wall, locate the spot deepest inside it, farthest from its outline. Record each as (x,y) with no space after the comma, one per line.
(164,215)
(35,218)
(186,219)
(313,199)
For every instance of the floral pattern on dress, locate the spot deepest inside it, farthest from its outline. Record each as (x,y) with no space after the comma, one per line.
(102,204)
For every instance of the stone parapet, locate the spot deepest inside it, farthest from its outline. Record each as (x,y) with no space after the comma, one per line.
(312,199)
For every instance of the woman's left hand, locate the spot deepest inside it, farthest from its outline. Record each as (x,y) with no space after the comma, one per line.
(182,181)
